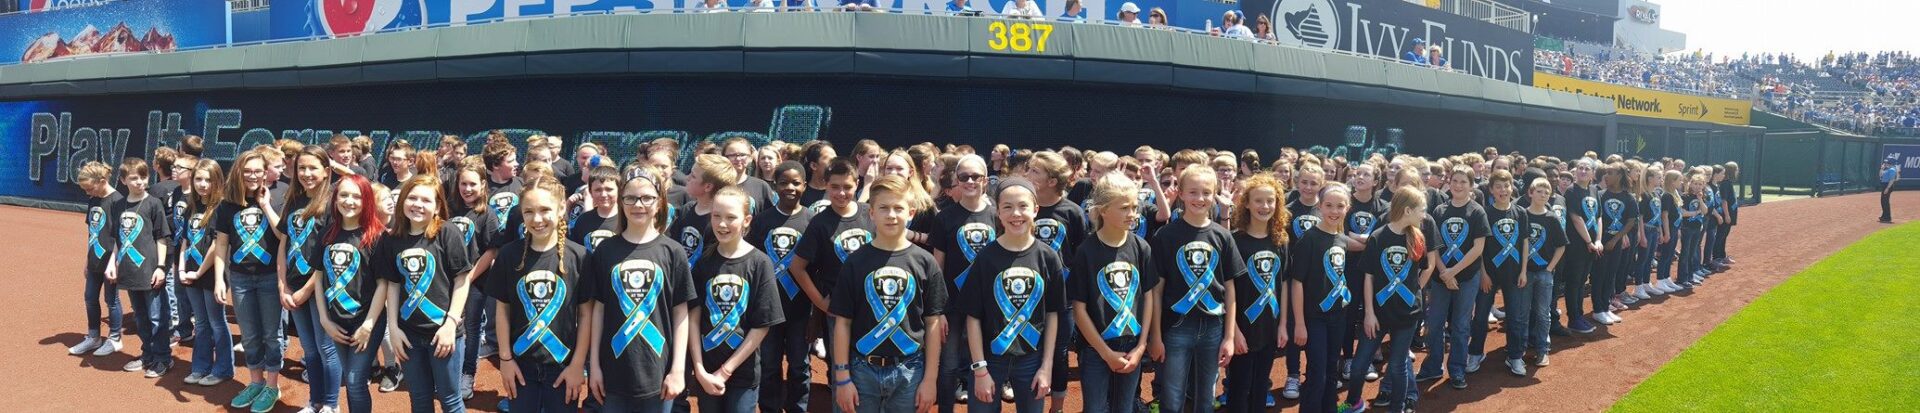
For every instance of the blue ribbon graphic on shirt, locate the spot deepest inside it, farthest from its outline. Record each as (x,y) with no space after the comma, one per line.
(1360,223)
(250,241)
(1455,235)
(1534,245)
(726,325)
(696,244)
(93,235)
(1592,208)
(970,249)
(1019,319)
(298,230)
(639,315)
(1304,222)
(341,274)
(1263,281)
(782,259)
(1509,238)
(1394,263)
(1336,275)
(890,325)
(1653,203)
(841,247)
(1124,321)
(502,204)
(1198,285)
(194,256)
(417,292)
(540,329)
(131,230)
(1614,210)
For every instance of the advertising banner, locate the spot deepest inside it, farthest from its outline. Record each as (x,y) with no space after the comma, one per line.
(318,18)
(35,6)
(1388,28)
(1649,103)
(127,26)
(1907,158)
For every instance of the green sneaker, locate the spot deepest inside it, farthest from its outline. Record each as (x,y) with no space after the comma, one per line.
(266,400)
(246,396)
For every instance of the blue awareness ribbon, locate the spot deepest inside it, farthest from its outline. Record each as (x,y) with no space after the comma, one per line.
(1125,322)
(1019,319)
(783,258)
(1198,285)
(250,241)
(696,244)
(1653,202)
(417,291)
(130,230)
(341,275)
(1614,210)
(1336,275)
(1360,223)
(1455,235)
(93,234)
(639,312)
(502,204)
(1140,226)
(194,256)
(1304,222)
(298,229)
(1534,245)
(890,321)
(1263,284)
(969,248)
(726,324)
(1053,232)
(1592,208)
(840,242)
(540,329)
(1394,263)
(1509,237)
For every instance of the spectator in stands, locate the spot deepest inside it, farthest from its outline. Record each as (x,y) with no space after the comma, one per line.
(762,6)
(1231,26)
(1263,28)
(1157,18)
(960,8)
(1437,57)
(1418,55)
(1074,12)
(799,5)
(856,5)
(1129,14)
(712,6)
(1022,9)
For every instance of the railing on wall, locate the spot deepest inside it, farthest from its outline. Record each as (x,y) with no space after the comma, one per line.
(248,5)
(1491,12)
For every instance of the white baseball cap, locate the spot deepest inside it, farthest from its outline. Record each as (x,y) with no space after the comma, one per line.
(1129,7)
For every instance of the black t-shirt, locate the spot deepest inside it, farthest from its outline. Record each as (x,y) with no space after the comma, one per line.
(627,278)
(250,239)
(1320,266)
(815,200)
(1620,210)
(175,202)
(1397,297)
(426,271)
(1303,217)
(1670,212)
(299,230)
(139,225)
(959,234)
(829,241)
(1118,278)
(881,281)
(779,235)
(1581,203)
(569,174)
(1061,226)
(1544,237)
(591,228)
(1079,192)
(477,229)
(1149,208)
(1507,237)
(1459,226)
(1193,258)
(1363,217)
(346,284)
(1654,211)
(1014,286)
(1694,204)
(759,194)
(542,292)
(741,293)
(694,231)
(503,199)
(1258,293)
(102,238)
(1733,201)
(197,238)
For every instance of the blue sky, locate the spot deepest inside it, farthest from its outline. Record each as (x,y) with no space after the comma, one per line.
(1808,28)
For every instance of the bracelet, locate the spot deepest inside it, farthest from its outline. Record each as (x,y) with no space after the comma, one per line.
(978,365)
(840,367)
(848,381)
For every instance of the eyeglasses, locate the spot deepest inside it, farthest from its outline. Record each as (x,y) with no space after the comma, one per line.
(971,177)
(182,167)
(639,200)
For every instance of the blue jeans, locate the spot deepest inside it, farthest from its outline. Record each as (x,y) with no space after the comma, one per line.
(430,378)
(886,389)
(537,395)
(1396,383)
(1184,382)
(1642,263)
(785,351)
(1448,312)
(479,333)
(1690,253)
(97,290)
(212,343)
(1519,311)
(1663,258)
(153,324)
(357,367)
(1104,390)
(618,404)
(1016,372)
(1324,335)
(1712,235)
(182,304)
(1535,324)
(256,302)
(322,356)
(735,401)
(954,359)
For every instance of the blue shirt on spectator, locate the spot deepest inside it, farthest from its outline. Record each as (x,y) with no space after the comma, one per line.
(1416,58)
(1887,175)
(959,9)
(1076,18)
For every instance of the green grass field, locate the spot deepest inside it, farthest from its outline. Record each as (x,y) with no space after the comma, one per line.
(1844,335)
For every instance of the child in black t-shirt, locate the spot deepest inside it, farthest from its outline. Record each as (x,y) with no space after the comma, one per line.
(101,239)
(1114,299)
(1305,196)
(305,206)
(600,222)
(1259,228)
(641,284)
(1507,247)
(710,173)
(140,222)
(1062,225)
(1320,297)
(740,300)
(1396,269)
(536,283)
(1462,227)
(200,278)
(891,297)
(956,234)
(1013,308)
(427,267)
(1201,262)
(785,370)
(351,299)
(1547,241)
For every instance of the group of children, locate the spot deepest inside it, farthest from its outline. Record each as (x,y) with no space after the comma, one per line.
(925,276)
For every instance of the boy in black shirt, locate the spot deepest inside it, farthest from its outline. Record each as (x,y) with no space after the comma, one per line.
(1583,246)
(1546,244)
(778,229)
(710,172)
(1463,231)
(1505,256)
(740,301)
(893,296)
(834,235)
(140,222)
(101,239)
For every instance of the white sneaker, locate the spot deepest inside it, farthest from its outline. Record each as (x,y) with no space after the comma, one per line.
(85,346)
(1672,287)
(1655,289)
(1498,315)
(1517,367)
(1473,362)
(309,409)
(1373,373)
(110,346)
(1292,390)
(1601,317)
(1542,362)
(1629,299)
(1615,317)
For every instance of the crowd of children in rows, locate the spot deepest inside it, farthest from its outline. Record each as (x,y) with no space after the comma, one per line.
(935,276)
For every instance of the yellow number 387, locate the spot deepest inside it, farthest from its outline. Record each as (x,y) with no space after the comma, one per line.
(1019,36)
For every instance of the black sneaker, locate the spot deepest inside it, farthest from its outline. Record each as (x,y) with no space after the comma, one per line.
(1457,383)
(1426,378)
(1559,330)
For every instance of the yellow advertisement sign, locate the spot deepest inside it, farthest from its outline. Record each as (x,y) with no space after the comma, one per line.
(1649,103)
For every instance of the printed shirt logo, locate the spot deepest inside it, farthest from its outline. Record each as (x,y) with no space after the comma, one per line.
(1264,269)
(639,293)
(1335,263)
(1360,222)
(1198,261)
(420,270)
(594,238)
(1507,233)
(542,295)
(691,238)
(1019,295)
(1454,234)
(465,226)
(502,204)
(1615,210)
(727,295)
(250,223)
(196,232)
(889,290)
(1050,231)
(846,242)
(1302,223)
(1396,268)
(96,221)
(343,270)
(820,205)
